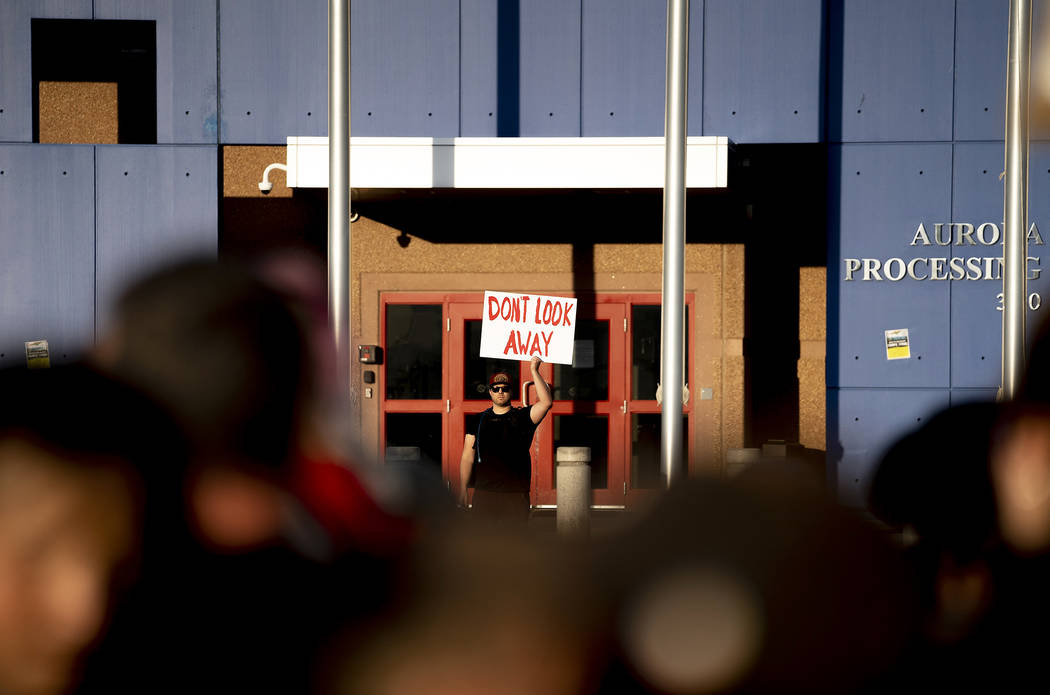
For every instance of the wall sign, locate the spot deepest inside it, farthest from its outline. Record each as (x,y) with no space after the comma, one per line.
(519,326)
(897,347)
(947,267)
(38,354)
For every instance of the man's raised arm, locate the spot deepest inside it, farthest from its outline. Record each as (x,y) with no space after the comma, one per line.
(544,400)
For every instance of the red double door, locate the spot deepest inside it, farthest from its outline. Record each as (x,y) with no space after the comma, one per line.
(589,405)
(605,400)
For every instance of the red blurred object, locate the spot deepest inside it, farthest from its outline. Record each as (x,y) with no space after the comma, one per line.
(339,501)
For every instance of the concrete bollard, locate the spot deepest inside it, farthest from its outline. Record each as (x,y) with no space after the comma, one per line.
(574,491)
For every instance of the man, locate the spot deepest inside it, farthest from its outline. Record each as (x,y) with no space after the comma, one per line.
(496,456)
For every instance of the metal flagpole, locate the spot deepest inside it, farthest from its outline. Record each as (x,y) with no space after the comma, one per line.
(672,377)
(339,187)
(1015,204)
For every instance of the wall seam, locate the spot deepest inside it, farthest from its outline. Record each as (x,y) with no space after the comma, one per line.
(724,376)
(703,41)
(219,173)
(579,109)
(951,183)
(94,241)
(218,73)
(955,60)
(459,71)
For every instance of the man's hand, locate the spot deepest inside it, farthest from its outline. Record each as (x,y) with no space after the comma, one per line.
(535,363)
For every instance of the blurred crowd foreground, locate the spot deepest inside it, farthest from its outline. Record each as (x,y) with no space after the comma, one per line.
(181,512)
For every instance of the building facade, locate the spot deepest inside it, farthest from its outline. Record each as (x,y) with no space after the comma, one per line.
(863,196)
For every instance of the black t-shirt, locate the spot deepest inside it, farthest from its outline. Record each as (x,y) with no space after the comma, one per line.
(503,442)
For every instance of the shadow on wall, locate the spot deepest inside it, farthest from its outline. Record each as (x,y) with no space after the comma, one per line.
(250,227)
(546,215)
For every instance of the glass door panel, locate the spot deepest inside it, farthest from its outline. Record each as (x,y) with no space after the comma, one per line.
(413,351)
(644,477)
(591,431)
(645,450)
(589,405)
(587,378)
(419,430)
(412,378)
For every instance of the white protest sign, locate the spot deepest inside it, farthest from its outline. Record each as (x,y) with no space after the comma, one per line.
(519,326)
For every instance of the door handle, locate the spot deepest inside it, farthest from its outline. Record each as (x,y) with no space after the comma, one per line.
(525,393)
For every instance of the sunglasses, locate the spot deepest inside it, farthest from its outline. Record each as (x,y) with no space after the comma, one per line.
(499,389)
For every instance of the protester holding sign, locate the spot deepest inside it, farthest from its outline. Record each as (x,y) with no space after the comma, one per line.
(496,457)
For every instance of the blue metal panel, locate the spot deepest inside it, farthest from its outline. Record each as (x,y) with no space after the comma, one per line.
(520,68)
(695,110)
(879,195)
(763,69)
(16,75)
(890,70)
(550,67)
(186,63)
(980,69)
(479,68)
(46,249)
(623,67)
(977,198)
(405,67)
(273,70)
(863,424)
(154,205)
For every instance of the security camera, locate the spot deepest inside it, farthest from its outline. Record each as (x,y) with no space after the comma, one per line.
(265,186)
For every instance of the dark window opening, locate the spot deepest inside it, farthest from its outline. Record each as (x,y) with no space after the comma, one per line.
(587,378)
(646,436)
(645,350)
(590,431)
(84,66)
(413,351)
(414,438)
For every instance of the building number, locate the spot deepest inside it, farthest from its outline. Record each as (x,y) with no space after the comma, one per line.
(1034,301)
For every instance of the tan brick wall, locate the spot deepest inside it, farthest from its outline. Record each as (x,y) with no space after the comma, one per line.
(812,335)
(385,260)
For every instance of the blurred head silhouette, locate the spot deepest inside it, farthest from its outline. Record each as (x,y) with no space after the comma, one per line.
(226,355)
(737,586)
(1020,471)
(69,444)
(1020,461)
(480,611)
(936,480)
